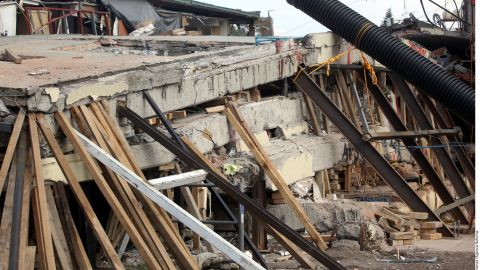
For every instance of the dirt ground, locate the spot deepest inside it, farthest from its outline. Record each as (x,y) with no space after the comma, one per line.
(437,255)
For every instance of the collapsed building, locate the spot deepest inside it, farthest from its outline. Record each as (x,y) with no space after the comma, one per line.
(164,143)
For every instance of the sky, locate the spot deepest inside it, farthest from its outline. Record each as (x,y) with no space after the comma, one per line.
(289,21)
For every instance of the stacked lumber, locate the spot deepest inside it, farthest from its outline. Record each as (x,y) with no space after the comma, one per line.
(402,228)
(428,230)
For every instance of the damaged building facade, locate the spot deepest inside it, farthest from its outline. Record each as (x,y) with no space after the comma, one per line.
(182,144)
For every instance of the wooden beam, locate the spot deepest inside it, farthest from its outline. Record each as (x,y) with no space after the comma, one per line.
(25,218)
(81,257)
(178,180)
(79,194)
(312,113)
(183,216)
(58,235)
(12,144)
(456,204)
(163,221)
(40,208)
(125,206)
(192,207)
(157,216)
(296,252)
(272,172)
(6,222)
(11,56)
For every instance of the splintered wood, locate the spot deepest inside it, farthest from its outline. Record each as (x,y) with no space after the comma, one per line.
(404,228)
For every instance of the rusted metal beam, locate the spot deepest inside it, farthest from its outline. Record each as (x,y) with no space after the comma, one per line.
(231,190)
(381,166)
(443,157)
(419,157)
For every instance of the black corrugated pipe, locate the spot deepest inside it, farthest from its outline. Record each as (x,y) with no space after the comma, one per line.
(429,78)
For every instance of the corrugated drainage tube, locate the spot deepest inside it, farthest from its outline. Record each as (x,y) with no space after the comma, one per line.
(428,77)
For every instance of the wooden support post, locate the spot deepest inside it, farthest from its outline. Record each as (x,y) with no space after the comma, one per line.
(292,248)
(192,207)
(58,235)
(348,178)
(156,214)
(6,222)
(325,122)
(79,194)
(40,209)
(12,144)
(224,246)
(146,239)
(81,257)
(259,237)
(25,215)
(312,114)
(240,126)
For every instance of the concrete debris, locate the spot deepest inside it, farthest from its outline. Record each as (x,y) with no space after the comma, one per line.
(4,111)
(209,260)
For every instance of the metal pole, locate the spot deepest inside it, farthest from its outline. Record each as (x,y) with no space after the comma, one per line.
(241,227)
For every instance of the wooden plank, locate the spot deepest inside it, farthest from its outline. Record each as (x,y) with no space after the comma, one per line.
(401,235)
(325,122)
(216,109)
(179,114)
(348,178)
(58,235)
(81,257)
(418,215)
(432,236)
(272,172)
(167,167)
(346,101)
(431,224)
(6,222)
(163,222)
(192,206)
(183,216)
(255,94)
(12,144)
(40,208)
(177,180)
(9,55)
(312,114)
(25,218)
(156,215)
(29,260)
(126,206)
(385,225)
(292,248)
(79,194)
(455,204)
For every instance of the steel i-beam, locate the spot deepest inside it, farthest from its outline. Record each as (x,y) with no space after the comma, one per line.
(231,190)
(381,166)
(419,157)
(215,193)
(447,164)
(461,153)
